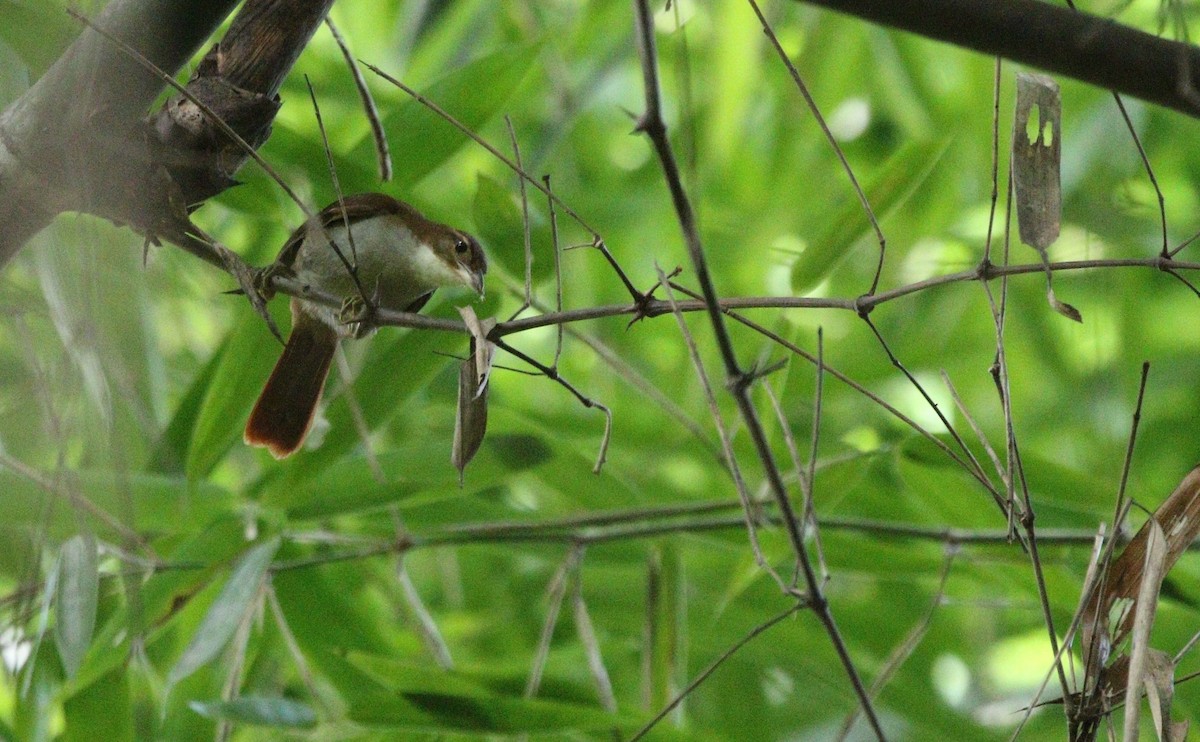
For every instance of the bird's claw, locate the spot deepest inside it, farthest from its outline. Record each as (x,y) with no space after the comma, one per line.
(358,314)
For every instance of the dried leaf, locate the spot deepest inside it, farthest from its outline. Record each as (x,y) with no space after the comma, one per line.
(1037,152)
(1092,664)
(1146,607)
(1063,308)
(1036,165)
(1160,691)
(1179,518)
(481,348)
(473,375)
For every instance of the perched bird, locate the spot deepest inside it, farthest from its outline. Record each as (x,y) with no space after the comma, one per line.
(401,258)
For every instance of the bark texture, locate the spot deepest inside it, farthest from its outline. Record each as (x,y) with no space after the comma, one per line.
(80,139)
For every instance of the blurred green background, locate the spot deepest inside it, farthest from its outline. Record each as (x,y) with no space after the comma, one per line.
(124,386)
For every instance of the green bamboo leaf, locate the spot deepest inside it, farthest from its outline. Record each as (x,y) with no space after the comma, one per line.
(33,670)
(386,693)
(106,704)
(499,223)
(249,353)
(226,612)
(421,139)
(170,454)
(162,504)
(845,230)
(259,711)
(77,595)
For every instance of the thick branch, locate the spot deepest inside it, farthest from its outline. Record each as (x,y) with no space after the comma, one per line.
(238,80)
(79,140)
(1053,38)
(65,133)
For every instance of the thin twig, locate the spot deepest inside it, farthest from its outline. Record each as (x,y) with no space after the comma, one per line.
(910,643)
(784,342)
(987,244)
(66,491)
(356,414)
(617,526)
(899,366)
(591,648)
(558,286)
(837,149)
(555,591)
(810,512)
(293,646)
(1137,142)
(553,375)
(638,381)
(699,679)
(237,651)
(482,143)
(1035,559)
(1127,464)
(999,369)
(351,263)
(749,510)
(982,438)
(382,153)
(638,296)
(526,229)
(789,441)
(651,123)
(426,626)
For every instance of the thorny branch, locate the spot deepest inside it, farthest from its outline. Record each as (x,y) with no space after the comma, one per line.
(738,381)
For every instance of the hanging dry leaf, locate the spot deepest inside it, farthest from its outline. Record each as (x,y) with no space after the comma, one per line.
(473,375)
(1037,151)
(1036,166)
(1062,307)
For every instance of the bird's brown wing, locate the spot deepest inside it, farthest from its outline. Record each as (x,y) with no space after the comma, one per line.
(356,208)
(419,302)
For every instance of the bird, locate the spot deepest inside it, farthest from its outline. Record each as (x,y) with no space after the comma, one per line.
(399,256)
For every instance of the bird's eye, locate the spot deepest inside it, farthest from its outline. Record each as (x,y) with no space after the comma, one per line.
(460,246)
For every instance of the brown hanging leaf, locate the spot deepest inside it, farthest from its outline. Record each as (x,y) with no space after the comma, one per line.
(1036,166)
(1037,151)
(473,375)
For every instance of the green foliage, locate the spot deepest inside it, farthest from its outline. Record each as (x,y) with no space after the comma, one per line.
(161,580)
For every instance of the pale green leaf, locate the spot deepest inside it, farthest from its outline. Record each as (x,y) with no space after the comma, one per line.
(226,612)
(259,711)
(77,596)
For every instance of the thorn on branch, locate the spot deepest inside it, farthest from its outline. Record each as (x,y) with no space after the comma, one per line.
(738,383)
(754,373)
(644,302)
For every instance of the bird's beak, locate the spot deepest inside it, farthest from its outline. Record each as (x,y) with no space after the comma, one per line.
(477,284)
